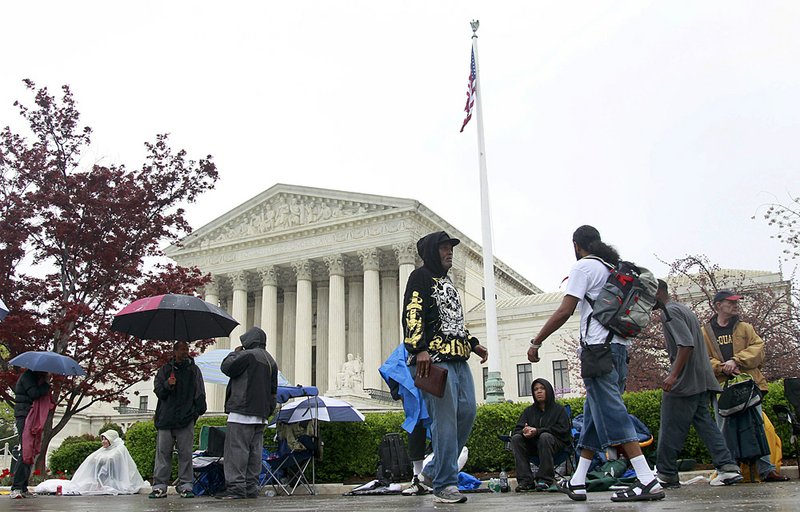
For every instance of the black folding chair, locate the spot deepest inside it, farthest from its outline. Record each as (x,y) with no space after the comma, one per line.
(788,414)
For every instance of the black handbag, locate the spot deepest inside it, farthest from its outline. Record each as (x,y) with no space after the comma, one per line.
(596,360)
(738,397)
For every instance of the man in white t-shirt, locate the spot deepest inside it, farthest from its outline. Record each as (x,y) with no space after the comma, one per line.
(605,419)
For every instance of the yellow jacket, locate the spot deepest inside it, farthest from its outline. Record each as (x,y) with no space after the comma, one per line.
(748,352)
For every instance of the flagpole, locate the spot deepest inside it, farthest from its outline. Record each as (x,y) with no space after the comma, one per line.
(494,381)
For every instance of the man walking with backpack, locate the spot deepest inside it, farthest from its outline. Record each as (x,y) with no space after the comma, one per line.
(604,369)
(687,391)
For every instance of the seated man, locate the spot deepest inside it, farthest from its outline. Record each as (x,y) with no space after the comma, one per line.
(543,429)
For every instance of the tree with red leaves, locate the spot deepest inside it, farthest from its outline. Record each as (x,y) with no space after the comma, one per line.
(74,239)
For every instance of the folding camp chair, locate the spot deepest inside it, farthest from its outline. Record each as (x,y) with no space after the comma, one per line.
(564,458)
(288,469)
(788,414)
(209,474)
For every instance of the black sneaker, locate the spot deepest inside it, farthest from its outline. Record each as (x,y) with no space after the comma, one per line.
(416,488)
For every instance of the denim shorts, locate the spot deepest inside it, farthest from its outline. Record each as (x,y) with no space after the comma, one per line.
(605,418)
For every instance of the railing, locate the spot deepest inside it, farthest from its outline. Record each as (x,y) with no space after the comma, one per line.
(380,395)
(124,409)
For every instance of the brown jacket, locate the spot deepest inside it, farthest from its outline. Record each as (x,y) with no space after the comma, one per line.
(748,352)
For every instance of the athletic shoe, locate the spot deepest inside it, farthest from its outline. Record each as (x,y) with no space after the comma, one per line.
(187,494)
(726,478)
(425,480)
(668,483)
(226,496)
(16,494)
(449,495)
(416,488)
(158,493)
(525,488)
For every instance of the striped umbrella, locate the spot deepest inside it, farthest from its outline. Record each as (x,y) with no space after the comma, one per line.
(3,310)
(322,407)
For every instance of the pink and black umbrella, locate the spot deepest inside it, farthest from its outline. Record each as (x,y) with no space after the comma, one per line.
(173,317)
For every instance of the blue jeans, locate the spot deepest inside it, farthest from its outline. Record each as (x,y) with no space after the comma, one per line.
(452,417)
(605,418)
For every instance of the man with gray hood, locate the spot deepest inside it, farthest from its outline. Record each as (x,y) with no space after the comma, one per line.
(249,402)
(433,325)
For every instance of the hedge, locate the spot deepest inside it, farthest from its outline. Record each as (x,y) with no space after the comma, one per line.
(350,450)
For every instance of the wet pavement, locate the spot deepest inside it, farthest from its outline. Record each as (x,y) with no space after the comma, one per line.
(783,496)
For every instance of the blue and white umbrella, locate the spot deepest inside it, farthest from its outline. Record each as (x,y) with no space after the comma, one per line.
(49,362)
(322,407)
(210,362)
(3,310)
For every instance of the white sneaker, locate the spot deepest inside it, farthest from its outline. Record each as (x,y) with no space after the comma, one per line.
(726,478)
(16,494)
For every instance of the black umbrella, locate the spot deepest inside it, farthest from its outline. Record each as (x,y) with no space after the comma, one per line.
(173,317)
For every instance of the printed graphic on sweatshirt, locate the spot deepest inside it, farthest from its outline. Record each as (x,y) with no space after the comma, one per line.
(450,313)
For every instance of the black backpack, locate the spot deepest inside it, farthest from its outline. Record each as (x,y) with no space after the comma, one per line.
(394,465)
(626,301)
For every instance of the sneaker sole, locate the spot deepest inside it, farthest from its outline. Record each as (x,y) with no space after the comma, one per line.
(437,499)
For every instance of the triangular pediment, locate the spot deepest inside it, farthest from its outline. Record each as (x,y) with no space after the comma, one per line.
(286,209)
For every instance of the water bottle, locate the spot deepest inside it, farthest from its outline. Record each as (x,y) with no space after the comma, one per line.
(59,491)
(504,487)
(270,493)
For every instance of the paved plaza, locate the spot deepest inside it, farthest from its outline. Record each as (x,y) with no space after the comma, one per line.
(784,496)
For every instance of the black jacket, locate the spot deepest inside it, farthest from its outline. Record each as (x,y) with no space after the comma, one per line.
(183,403)
(28,389)
(254,377)
(433,318)
(553,419)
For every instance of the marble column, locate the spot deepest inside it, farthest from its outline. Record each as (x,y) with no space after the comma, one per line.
(215,393)
(406,257)
(337,343)
(459,278)
(370,260)
(321,377)
(303,325)
(355,316)
(258,298)
(269,307)
(239,310)
(390,313)
(286,364)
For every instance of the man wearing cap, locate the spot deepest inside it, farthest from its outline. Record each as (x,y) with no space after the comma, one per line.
(434,331)
(734,347)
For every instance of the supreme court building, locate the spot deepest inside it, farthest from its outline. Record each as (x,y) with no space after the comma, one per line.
(323,272)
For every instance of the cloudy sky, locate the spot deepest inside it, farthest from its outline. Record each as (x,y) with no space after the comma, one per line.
(667,125)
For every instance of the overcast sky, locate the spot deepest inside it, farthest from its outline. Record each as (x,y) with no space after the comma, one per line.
(667,125)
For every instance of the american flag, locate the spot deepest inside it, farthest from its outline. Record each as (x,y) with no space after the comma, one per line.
(470,91)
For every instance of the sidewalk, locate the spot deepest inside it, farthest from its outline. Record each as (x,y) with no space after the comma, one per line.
(736,498)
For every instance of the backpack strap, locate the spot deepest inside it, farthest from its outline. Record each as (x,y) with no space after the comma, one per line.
(588,299)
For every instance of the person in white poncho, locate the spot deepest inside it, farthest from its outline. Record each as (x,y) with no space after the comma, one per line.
(109,470)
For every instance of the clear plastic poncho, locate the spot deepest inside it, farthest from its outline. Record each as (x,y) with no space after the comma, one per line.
(106,471)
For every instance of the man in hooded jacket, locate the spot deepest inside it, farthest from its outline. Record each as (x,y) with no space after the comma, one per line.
(434,331)
(543,430)
(181,400)
(250,399)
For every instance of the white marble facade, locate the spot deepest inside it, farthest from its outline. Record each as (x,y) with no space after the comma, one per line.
(323,273)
